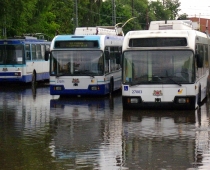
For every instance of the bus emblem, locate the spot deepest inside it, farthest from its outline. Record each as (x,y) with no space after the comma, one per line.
(180,91)
(157,93)
(75,81)
(4,69)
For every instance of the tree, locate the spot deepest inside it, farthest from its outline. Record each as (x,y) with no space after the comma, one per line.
(30,16)
(173,7)
(183,17)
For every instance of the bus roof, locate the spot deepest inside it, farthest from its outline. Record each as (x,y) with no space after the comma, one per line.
(88,37)
(171,25)
(191,37)
(164,33)
(101,38)
(99,30)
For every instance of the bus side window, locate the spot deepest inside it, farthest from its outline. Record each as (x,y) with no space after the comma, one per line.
(38,51)
(107,57)
(27,53)
(115,58)
(118,56)
(106,66)
(42,51)
(33,49)
(206,60)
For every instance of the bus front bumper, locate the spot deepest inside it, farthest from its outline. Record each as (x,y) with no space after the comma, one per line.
(183,102)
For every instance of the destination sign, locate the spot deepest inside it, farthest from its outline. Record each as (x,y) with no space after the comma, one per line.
(76,44)
(158,42)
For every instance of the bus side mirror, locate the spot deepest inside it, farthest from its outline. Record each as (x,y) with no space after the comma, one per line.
(46,56)
(107,55)
(118,61)
(199,60)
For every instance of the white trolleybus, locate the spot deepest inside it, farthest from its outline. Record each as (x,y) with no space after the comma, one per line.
(86,64)
(22,59)
(166,66)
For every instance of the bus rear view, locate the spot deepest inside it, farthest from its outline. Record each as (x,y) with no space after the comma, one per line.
(165,68)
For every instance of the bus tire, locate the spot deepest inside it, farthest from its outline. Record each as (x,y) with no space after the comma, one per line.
(125,107)
(33,80)
(207,90)
(111,85)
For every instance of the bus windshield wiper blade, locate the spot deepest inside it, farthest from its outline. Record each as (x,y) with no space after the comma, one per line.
(88,73)
(172,80)
(60,74)
(135,83)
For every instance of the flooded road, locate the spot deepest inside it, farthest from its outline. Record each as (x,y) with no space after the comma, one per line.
(43,132)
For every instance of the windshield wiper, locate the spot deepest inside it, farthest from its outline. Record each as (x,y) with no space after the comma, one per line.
(60,74)
(172,80)
(135,83)
(88,73)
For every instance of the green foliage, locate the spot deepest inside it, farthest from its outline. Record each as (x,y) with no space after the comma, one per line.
(51,17)
(183,17)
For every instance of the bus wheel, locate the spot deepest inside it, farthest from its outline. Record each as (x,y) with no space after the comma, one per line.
(207,90)
(111,85)
(33,81)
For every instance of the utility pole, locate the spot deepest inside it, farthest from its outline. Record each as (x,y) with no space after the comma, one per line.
(76,14)
(113,13)
(4,30)
(132,8)
(147,20)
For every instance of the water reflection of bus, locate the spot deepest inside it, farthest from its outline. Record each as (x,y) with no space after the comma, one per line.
(25,109)
(22,59)
(84,134)
(78,106)
(202,137)
(160,139)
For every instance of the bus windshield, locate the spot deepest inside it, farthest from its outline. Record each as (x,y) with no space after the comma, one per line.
(11,54)
(77,63)
(158,67)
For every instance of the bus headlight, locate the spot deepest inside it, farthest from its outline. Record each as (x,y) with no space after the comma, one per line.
(17,73)
(95,88)
(134,100)
(183,100)
(57,88)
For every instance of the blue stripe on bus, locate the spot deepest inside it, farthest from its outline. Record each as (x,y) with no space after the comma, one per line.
(12,65)
(24,78)
(103,90)
(7,73)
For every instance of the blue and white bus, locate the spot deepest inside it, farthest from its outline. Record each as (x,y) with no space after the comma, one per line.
(166,66)
(22,59)
(85,64)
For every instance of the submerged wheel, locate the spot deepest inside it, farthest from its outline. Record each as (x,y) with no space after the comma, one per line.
(111,85)
(33,81)
(207,90)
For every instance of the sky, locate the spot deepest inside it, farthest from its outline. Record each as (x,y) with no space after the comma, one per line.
(198,8)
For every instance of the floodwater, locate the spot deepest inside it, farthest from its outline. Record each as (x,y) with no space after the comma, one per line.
(43,132)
